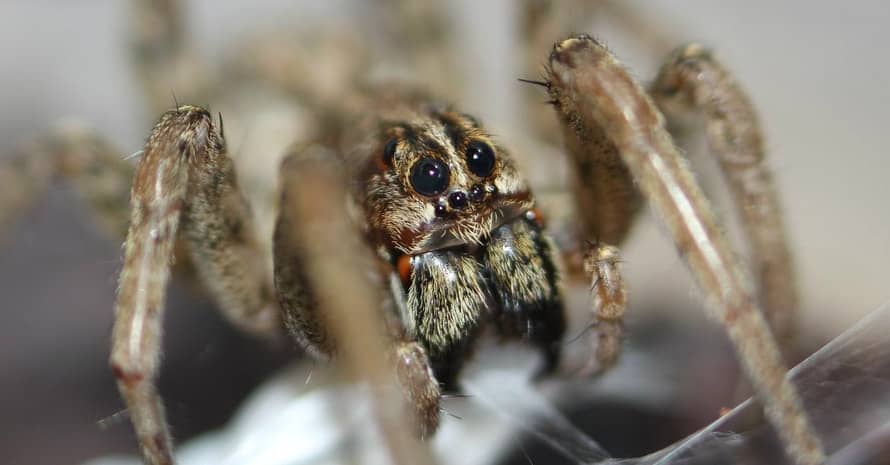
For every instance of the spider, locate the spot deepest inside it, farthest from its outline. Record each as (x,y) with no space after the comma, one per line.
(418,193)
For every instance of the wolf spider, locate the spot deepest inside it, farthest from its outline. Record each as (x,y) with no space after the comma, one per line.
(390,181)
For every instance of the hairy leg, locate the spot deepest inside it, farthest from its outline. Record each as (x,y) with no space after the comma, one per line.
(158,195)
(330,306)
(592,89)
(692,80)
(608,304)
(607,200)
(183,177)
(87,162)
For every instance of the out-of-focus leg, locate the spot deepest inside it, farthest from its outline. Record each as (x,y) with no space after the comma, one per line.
(163,60)
(96,171)
(331,306)
(608,304)
(540,22)
(692,80)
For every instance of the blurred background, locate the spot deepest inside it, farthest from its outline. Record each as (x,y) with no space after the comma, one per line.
(817,72)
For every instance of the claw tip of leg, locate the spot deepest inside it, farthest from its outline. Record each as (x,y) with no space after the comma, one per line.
(565,51)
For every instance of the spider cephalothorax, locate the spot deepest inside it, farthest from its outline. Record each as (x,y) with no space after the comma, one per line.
(447,207)
(435,179)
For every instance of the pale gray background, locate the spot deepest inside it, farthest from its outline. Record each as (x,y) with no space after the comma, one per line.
(817,70)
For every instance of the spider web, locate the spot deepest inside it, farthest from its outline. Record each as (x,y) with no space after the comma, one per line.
(291,420)
(845,387)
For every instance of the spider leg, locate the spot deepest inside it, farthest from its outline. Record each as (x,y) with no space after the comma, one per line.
(159,192)
(289,61)
(329,304)
(163,60)
(86,161)
(184,183)
(592,89)
(608,301)
(607,200)
(693,80)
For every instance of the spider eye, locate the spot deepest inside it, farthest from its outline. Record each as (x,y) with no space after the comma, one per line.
(429,177)
(480,159)
(389,151)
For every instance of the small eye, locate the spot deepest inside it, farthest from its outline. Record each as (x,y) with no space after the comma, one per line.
(480,159)
(429,177)
(389,151)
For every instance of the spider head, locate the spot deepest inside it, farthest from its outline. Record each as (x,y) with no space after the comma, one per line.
(439,180)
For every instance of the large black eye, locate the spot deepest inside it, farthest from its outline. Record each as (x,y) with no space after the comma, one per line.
(480,159)
(429,177)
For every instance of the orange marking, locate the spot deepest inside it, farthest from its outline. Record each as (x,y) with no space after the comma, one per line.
(538,217)
(403,266)
(381,165)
